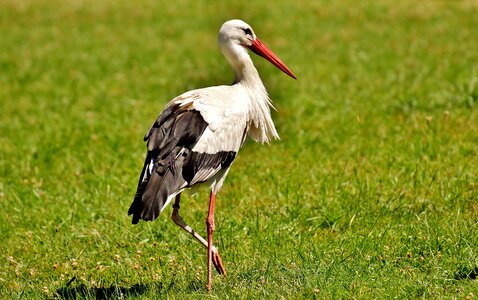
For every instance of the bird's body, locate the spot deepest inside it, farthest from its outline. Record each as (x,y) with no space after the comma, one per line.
(199,133)
(215,130)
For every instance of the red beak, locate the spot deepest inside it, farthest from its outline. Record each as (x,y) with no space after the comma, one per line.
(260,49)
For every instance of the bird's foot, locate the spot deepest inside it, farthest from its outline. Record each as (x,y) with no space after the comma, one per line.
(217,261)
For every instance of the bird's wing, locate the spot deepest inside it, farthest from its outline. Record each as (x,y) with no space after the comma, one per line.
(190,142)
(169,142)
(222,138)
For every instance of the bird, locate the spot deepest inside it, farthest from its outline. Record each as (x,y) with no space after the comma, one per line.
(197,136)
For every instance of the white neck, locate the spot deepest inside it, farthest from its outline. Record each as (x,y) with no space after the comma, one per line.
(262,127)
(241,63)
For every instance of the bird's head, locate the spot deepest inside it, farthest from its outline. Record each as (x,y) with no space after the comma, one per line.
(235,33)
(238,32)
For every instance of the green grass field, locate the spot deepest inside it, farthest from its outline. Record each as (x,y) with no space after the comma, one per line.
(372,191)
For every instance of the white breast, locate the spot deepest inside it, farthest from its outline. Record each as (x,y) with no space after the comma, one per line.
(225,109)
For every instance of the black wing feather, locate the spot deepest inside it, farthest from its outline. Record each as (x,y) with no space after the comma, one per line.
(169,142)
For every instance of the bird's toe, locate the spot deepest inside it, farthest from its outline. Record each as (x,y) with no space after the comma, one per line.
(217,261)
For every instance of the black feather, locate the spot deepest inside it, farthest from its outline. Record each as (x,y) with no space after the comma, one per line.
(200,161)
(169,140)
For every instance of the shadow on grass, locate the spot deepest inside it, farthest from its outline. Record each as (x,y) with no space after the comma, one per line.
(83,291)
(467,273)
(112,292)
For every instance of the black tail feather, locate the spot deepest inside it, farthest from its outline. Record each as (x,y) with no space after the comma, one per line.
(155,188)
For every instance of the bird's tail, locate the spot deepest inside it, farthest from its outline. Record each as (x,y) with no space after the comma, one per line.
(156,188)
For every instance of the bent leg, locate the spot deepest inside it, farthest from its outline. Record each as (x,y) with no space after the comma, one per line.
(178,220)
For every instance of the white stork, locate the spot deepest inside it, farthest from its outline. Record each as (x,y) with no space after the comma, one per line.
(197,136)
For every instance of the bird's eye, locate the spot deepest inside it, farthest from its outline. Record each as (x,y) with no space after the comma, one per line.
(247,31)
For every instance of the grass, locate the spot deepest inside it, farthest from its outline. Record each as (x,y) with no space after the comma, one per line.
(371,193)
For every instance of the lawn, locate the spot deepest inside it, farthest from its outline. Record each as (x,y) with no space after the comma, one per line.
(372,191)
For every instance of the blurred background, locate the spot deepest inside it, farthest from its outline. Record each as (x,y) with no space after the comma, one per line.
(371,191)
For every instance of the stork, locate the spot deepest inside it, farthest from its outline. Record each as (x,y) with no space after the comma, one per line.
(197,136)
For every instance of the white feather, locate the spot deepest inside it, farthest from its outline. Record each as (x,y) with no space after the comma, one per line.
(230,112)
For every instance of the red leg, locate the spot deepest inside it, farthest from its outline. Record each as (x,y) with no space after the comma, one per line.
(216,259)
(210,231)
